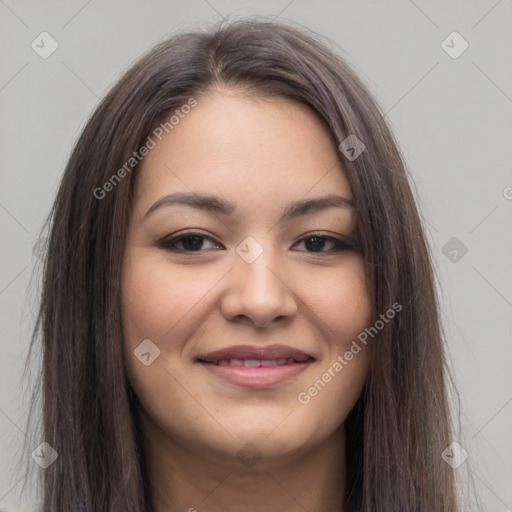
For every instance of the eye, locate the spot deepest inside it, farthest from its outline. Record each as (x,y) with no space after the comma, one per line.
(191,241)
(318,242)
(194,241)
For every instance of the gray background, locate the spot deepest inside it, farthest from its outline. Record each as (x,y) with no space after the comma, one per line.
(452,117)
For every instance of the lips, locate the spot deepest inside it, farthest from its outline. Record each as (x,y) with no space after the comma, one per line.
(251,357)
(256,366)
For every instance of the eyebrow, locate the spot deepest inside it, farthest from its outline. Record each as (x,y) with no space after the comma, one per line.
(218,205)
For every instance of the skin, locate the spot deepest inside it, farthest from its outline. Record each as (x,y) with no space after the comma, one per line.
(260,154)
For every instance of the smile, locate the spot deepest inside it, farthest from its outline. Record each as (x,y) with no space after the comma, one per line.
(255,366)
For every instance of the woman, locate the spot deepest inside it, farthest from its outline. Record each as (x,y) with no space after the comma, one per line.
(238,309)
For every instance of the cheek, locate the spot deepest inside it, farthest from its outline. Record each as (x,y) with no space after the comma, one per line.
(147,300)
(164,304)
(325,402)
(152,309)
(157,297)
(345,311)
(341,301)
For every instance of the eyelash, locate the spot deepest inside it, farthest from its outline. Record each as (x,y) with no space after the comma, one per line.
(169,244)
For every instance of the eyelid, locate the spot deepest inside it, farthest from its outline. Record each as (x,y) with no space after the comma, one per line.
(176,237)
(326,234)
(342,243)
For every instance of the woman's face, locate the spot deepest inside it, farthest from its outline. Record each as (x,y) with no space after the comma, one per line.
(245,318)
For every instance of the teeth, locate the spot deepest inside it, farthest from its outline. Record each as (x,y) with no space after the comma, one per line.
(256,363)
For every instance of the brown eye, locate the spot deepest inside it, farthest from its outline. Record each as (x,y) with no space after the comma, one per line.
(317,243)
(189,242)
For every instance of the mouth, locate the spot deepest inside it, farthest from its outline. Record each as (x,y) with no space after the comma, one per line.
(256,366)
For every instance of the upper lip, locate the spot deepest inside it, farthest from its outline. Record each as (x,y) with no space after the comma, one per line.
(256,352)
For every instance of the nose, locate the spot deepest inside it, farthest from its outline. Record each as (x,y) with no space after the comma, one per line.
(259,293)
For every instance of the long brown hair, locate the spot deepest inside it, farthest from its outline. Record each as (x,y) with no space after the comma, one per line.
(401,423)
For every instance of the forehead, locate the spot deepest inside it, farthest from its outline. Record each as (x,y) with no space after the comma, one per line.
(248,149)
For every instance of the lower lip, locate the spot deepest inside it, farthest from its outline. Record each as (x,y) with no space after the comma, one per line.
(259,377)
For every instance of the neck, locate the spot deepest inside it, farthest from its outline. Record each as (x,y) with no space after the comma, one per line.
(182,480)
